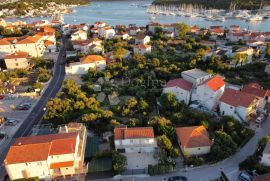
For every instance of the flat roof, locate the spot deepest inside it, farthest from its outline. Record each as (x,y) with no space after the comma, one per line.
(195,73)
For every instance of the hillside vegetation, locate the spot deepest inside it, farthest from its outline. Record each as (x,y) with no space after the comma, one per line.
(219,4)
(25,4)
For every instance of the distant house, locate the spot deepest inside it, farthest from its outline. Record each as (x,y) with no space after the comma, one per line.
(133,30)
(122,35)
(18,60)
(238,104)
(262,94)
(180,88)
(142,49)
(49,156)
(142,39)
(106,32)
(79,35)
(91,61)
(139,139)
(85,45)
(193,140)
(50,46)
(234,28)
(265,160)
(153,25)
(195,29)
(246,51)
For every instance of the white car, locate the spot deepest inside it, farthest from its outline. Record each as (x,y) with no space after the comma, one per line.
(260,119)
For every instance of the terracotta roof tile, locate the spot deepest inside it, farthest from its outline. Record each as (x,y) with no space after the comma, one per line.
(133,133)
(17,55)
(194,136)
(38,148)
(255,89)
(61,164)
(91,58)
(181,83)
(215,83)
(237,98)
(265,177)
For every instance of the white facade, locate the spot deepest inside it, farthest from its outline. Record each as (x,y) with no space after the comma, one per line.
(142,49)
(54,165)
(239,112)
(196,150)
(207,96)
(145,40)
(136,145)
(181,94)
(79,68)
(17,63)
(79,35)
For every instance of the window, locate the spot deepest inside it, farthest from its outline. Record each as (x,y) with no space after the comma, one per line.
(17,64)
(131,141)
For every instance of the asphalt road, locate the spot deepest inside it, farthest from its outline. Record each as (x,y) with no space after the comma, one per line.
(38,110)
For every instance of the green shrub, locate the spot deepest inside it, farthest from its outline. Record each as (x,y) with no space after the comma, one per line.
(194,160)
(159,169)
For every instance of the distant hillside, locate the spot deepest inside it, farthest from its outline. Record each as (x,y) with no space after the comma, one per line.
(219,4)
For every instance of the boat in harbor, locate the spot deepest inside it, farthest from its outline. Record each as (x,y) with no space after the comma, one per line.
(255,18)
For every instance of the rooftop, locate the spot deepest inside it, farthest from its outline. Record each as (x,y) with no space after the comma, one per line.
(91,59)
(195,73)
(133,133)
(194,136)
(181,83)
(38,148)
(237,98)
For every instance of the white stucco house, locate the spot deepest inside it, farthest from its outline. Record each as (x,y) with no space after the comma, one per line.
(209,91)
(49,156)
(180,88)
(193,140)
(106,32)
(122,35)
(265,160)
(142,39)
(17,60)
(142,49)
(262,94)
(238,104)
(90,61)
(139,139)
(84,46)
(34,45)
(79,35)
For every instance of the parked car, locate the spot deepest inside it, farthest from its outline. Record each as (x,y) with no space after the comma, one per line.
(23,107)
(178,178)
(260,119)
(244,177)
(11,122)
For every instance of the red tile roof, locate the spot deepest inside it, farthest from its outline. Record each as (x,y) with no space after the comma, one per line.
(255,89)
(91,59)
(61,164)
(181,83)
(17,55)
(237,98)
(133,133)
(192,137)
(38,148)
(215,83)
